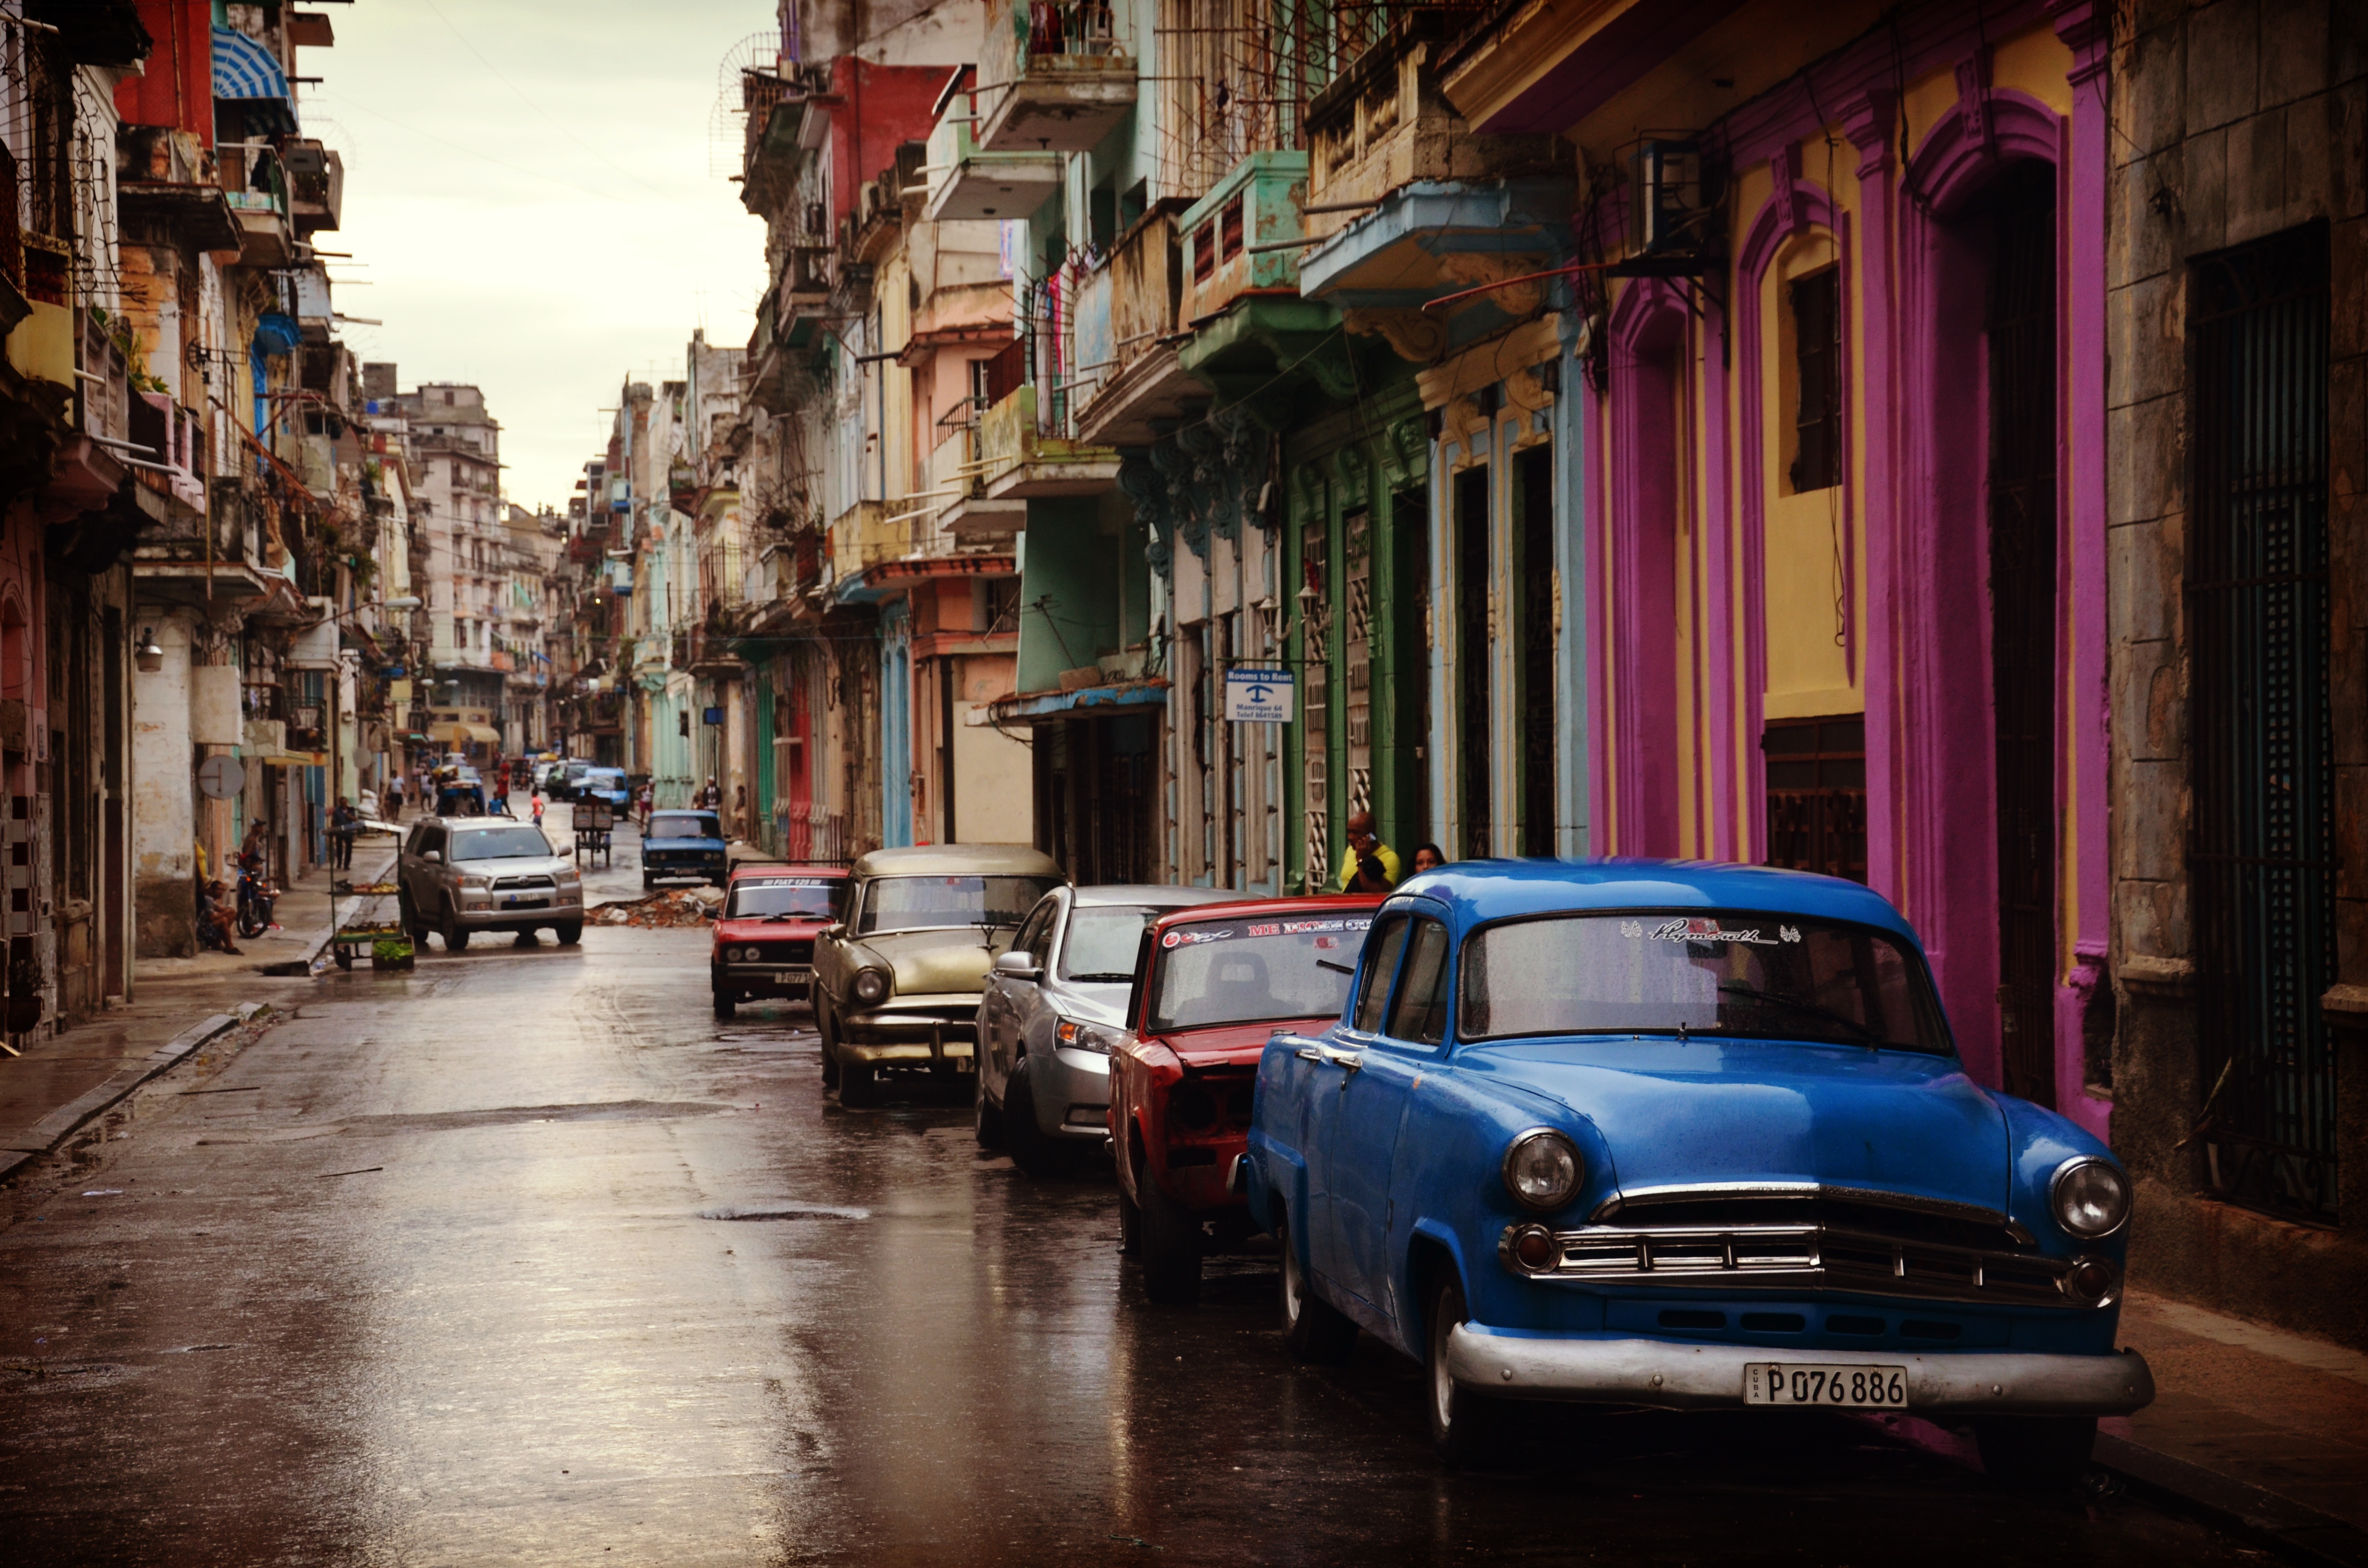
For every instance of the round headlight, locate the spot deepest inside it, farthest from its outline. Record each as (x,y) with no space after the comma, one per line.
(747,955)
(1542,1170)
(2090,1197)
(870,985)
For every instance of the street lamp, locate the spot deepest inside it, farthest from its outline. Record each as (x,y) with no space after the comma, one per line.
(148,655)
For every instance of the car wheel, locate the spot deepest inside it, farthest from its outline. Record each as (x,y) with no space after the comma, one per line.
(1313,1330)
(859,1085)
(2035,1453)
(456,935)
(1130,1225)
(1031,1151)
(1464,1427)
(648,881)
(727,1003)
(1171,1246)
(986,1117)
(829,1047)
(569,934)
(408,917)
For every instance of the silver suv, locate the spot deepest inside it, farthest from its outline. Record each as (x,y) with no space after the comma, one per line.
(459,876)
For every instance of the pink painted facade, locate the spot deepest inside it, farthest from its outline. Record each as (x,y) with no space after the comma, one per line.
(1884,162)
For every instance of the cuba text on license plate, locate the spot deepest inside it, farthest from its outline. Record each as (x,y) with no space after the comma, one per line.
(1841,1388)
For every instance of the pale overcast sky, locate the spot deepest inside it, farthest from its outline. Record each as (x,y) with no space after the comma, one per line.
(529,203)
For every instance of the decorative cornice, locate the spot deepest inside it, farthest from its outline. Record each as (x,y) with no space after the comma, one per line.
(1869,120)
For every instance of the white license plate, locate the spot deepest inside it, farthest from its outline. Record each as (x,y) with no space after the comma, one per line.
(1836,1388)
(791,976)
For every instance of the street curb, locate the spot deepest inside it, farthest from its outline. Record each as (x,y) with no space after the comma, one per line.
(2288,1528)
(310,964)
(70,1118)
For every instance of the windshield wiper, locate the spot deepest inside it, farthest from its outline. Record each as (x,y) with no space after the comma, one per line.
(1864,1036)
(1335,968)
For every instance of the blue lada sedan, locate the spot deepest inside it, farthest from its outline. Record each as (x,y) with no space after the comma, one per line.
(1686,1136)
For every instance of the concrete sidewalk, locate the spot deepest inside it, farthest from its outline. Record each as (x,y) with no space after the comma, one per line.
(303,931)
(2261,1429)
(64,1083)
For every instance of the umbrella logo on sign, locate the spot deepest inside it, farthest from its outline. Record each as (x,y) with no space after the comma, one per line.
(1260,697)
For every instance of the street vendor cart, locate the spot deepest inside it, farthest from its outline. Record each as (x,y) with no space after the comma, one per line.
(595,821)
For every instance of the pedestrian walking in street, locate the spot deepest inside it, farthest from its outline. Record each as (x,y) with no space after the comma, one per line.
(740,810)
(537,808)
(1428,857)
(344,823)
(394,799)
(1370,865)
(712,797)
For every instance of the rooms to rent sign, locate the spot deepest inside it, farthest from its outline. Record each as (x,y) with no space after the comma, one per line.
(1260,697)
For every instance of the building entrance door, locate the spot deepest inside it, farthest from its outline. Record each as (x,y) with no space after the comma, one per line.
(2021,505)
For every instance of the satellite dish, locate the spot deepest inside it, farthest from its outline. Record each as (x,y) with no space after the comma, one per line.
(727,123)
(219,778)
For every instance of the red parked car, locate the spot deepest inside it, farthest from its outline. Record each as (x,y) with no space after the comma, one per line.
(764,938)
(1213,981)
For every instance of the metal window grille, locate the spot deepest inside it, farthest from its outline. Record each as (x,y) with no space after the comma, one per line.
(2261,860)
(1816,795)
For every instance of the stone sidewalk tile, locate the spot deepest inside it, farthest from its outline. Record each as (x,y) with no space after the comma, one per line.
(2264,1428)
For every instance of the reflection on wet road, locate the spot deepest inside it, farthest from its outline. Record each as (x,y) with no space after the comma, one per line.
(525,1258)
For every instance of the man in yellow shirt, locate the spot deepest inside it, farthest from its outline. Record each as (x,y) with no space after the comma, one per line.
(1370,865)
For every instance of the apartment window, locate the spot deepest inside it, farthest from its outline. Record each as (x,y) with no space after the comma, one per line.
(1204,253)
(1229,239)
(1817,363)
(2262,850)
(1816,794)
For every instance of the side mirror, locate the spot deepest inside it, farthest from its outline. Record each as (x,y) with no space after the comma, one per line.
(835,930)
(1017,965)
(565,851)
(433,856)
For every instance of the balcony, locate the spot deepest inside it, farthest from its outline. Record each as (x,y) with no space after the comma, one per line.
(1142,386)
(1431,208)
(1238,239)
(1055,77)
(967,181)
(1020,459)
(316,186)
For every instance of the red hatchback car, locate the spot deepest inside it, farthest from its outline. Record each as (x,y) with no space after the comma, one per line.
(764,938)
(1213,981)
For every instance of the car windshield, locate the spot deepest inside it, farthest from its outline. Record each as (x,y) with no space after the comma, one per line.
(813,898)
(499,844)
(1236,971)
(608,780)
(925,904)
(684,827)
(1733,975)
(1103,943)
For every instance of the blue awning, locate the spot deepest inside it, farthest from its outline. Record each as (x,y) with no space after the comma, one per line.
(245,74)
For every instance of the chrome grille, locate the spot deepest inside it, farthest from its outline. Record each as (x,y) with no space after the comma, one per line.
(1812,1239)
(503,884)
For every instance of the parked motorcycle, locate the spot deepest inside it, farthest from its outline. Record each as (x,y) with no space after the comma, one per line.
(255,897)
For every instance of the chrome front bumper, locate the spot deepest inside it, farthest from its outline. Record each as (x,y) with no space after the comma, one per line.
(1673,1375)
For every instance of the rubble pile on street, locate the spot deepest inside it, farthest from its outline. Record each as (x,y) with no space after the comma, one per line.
(677,907)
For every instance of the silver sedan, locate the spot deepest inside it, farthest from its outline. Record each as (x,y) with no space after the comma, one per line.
(1050,1003)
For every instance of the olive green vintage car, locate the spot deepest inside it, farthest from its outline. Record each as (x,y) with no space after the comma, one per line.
(896,986)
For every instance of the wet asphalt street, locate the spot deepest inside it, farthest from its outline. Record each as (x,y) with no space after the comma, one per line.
(525,1258)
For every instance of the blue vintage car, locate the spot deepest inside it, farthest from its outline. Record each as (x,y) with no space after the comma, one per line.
(683,844)
(1686,1136)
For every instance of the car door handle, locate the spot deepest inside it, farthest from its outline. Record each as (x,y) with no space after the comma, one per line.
(1347,1060)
